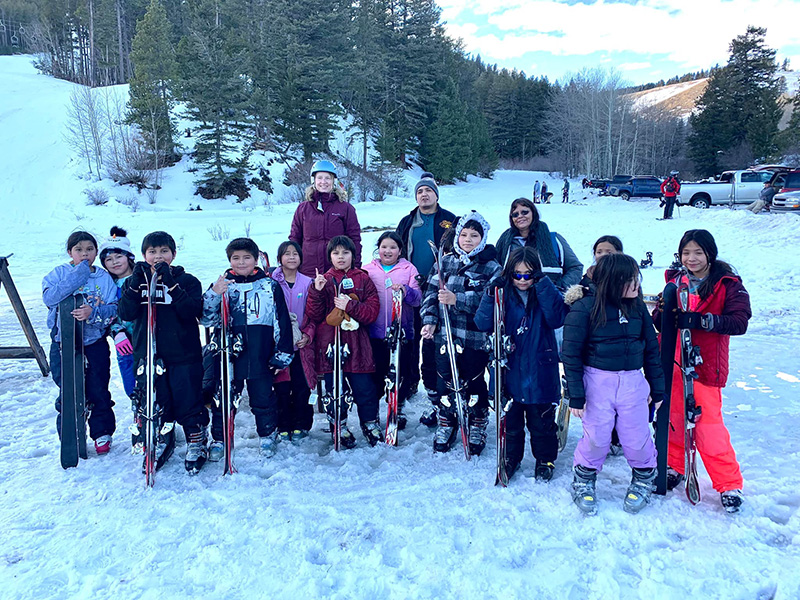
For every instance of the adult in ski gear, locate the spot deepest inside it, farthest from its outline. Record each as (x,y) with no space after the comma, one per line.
(764,199)
(565,191)
(98,310)
(345,298)
(608,340)
(428,222)
(177,338)
(558,260)
(260,319)
(545,197)
(324,214)
(391,273)
(536,191)
(670,188)
(466,274)
(293,385)
(534,309)
(719,307)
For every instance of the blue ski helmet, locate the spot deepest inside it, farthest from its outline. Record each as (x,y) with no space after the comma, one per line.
(323,166)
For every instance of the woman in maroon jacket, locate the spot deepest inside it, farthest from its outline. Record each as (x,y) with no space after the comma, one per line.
(347,296)
(324,214)
(719,307)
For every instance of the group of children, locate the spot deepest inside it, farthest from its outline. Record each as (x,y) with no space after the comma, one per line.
(287,322)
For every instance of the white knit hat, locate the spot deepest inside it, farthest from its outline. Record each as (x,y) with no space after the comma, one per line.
(116,242)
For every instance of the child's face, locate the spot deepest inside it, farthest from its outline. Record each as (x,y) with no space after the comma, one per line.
(242,262)
(602,249)
(81,251)
(469,239)
(156,254)
(522,269)
(631,289)
(694,259)
(290,259)
(117,264)
(341,258)
(389,252)
(323,182)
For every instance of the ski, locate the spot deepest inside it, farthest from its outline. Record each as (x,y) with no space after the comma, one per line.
(263,258)
(563,414)
(149,418)
(337,354)
(394,335)
(73,399)
(500,349)
(690,358)
(450,349)
(668,340)
(230,347)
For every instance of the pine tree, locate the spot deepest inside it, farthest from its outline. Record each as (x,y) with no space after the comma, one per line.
(447,144)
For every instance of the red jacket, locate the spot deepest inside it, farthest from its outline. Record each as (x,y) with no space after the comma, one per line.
(364,310)
(316,221)
(676,187)
(730,303)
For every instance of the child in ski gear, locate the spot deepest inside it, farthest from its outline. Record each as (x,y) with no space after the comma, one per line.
(719,307)
(558,260)
(345,296)
(389,272)
(179,306)
(534,308)
(608,340)
(118,259)
(467,272)
(79,277)
(293,385)
(259,317)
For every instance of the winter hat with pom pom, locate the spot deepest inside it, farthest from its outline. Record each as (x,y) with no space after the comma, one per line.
(427,180)
(117,241)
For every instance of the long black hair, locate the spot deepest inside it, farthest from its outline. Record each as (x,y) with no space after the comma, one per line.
(526,255)
(717,268)
(527,204)
(612,273)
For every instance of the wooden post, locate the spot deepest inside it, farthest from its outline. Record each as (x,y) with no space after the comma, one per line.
(34,349)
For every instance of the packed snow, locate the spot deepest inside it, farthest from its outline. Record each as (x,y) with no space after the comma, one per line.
(376,522)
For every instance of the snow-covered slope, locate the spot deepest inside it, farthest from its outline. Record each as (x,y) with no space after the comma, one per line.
(379,522)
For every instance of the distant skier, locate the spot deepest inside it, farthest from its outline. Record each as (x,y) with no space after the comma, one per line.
(670,188)
(565,192)
(536,190)
(544,199)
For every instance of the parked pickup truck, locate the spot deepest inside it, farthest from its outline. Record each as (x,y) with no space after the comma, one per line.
(637,187)
(732,187)
(615,180)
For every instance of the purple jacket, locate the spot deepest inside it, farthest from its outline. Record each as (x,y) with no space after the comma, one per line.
(296,297)
(318,219)
(403,272)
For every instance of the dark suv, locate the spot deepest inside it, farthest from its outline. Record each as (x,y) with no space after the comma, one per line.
(637,187)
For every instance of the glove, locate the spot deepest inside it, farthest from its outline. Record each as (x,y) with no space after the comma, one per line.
(165,273)
(139,276)
(496,283)
(538,276)
(123,344)
(695,320)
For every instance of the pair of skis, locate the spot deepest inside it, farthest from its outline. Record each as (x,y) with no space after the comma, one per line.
(73,396)
(337,354)
(230,346)
(394,336)
(501,347)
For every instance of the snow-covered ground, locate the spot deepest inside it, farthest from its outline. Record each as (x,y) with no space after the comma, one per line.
(376,522)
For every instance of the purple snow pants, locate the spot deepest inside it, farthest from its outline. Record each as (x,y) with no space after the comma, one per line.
(615,398)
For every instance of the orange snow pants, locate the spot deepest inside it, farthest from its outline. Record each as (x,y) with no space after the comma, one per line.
(713,439)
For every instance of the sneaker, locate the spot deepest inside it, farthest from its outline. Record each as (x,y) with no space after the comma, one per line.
(216,451)
(298,435)
(583,489)
(196,452)
(269,445)
(544,471)
(373,432)
(346,437)
(445,436)
(674,478)
(285,436)
(102,445)
(732,500)
(640,489)
(477,434)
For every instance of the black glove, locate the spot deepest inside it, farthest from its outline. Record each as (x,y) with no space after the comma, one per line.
(695,320)
(138,277)
(165,273)
(496,283)
(538,276)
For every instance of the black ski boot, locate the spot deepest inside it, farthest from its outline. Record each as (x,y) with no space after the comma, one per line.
(373,432)
(674,478)
(477,434)
(640,489)
(430,416)
(732,500)
(544,471)
(445,434)
(346,438)
(583,489)
(165,447)
(511,467)
(196,451)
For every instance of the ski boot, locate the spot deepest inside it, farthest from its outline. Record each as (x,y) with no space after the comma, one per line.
(511,467)
(445,434)
(216,450)
(102,445)
(430,416)
(477,434)
(285,436)
(583,489)
(298,435)
(196,452)
(372,431)
(346,438)
(165,446)
(732,500)
(674,478)
(269,445)
(544,471)
(638,494)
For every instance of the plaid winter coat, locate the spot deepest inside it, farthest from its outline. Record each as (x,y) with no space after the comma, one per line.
(468,282)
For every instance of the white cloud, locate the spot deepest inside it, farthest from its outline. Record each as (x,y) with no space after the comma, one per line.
(694,33)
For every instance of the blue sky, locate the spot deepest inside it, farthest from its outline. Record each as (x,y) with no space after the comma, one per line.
(645,40)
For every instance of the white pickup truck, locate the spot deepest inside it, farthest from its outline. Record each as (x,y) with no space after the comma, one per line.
(732,187)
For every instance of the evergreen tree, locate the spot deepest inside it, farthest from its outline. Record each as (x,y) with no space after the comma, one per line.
(447,144)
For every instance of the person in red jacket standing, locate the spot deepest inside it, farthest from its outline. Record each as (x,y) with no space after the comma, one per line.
(324,214)
(670,188)
(719,307)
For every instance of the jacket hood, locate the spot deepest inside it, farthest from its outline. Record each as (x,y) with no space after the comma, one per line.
(338,191)
(257,274)
(465,257)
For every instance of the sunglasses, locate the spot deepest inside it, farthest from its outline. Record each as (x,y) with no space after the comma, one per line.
(520,213)
(522,276)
